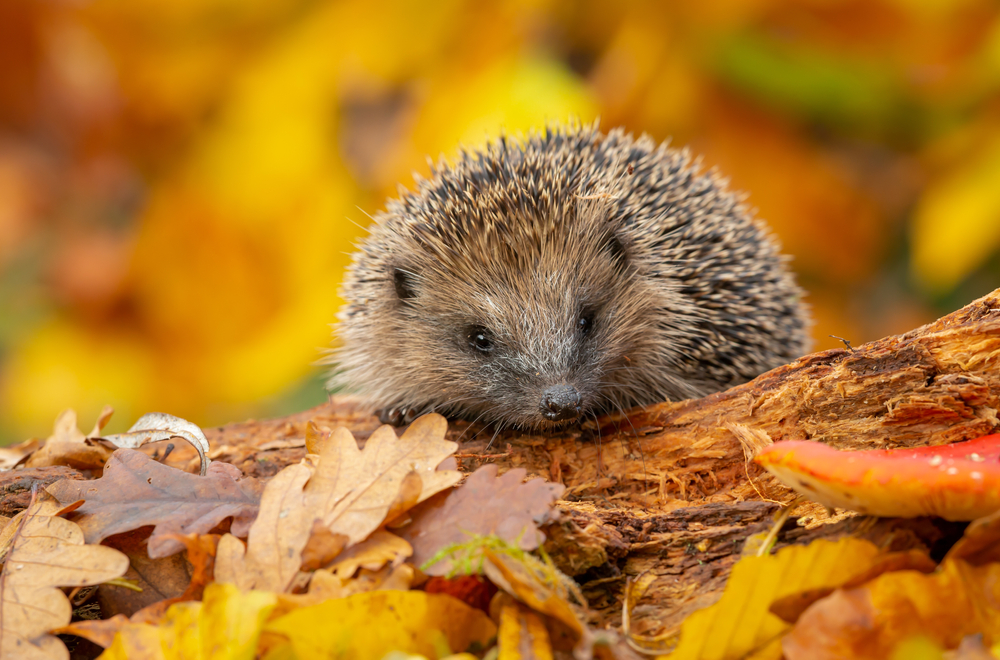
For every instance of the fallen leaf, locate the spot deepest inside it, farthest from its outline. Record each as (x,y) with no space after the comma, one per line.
(226,625)
(325,584)
(506,507)
(542,593)
(13,455)
(322,547)
(46,552)
(155,426)
(136,491)
(955,482)
(521,634)
(790,608)
(99,631)
(272,555)
(201,551)
(373,553)
(740,622)
(869,621)
(68,446)
(157,579)
(316,437)
(350,490)
(369,625)
(354,490)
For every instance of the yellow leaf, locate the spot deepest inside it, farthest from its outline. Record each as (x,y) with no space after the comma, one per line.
(369,625)
(741,623)
(522,630)
(231,621)
(226,625)
(46,552)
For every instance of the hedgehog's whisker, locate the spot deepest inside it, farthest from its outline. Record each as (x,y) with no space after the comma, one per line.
(471,424)
(495,434)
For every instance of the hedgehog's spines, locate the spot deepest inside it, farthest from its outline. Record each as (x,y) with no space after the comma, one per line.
(517,235)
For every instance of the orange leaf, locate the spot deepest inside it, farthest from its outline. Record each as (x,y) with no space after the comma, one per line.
(868,622)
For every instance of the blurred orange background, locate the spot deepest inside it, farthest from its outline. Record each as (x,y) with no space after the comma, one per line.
(181,181)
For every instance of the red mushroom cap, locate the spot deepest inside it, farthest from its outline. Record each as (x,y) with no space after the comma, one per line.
(956,482)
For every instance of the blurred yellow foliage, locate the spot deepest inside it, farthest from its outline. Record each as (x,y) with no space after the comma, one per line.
(181,181)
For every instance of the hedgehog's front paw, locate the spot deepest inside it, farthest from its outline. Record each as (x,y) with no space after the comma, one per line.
(398,415)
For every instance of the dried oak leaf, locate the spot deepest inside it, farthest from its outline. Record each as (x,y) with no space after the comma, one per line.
(354,489)
(506,506)
(46,552)
(351,491)
(156,579)
(136,491)
(68,446)
(200,556)
(373,553)
(273,553)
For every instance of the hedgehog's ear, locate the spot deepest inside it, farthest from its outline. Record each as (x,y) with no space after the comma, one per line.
(616,250)
(402,282)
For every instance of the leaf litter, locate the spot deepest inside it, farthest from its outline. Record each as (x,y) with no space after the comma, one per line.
(335,544)
(136,491)
(43,552)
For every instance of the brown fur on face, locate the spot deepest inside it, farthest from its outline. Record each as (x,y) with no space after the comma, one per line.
(572,259)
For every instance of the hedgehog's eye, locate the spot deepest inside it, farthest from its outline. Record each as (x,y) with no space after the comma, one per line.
(585,324)
(403,283)
(480,339)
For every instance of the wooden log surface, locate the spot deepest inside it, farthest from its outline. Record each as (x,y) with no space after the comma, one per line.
(669,489)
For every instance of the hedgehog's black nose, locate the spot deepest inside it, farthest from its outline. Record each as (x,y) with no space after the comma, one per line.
(560,402)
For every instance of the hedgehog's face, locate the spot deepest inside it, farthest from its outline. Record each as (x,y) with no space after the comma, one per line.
(534,340)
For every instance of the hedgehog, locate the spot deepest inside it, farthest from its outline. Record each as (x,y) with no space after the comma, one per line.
(540,280)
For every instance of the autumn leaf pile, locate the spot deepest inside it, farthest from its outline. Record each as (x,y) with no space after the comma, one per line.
(340,555)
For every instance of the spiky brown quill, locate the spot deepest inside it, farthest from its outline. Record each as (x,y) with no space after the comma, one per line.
(540,280)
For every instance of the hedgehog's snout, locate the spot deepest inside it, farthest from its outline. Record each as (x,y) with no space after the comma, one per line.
(560,403)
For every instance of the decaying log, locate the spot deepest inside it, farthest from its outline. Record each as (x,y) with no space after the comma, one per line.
(669,489)
(937,384)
